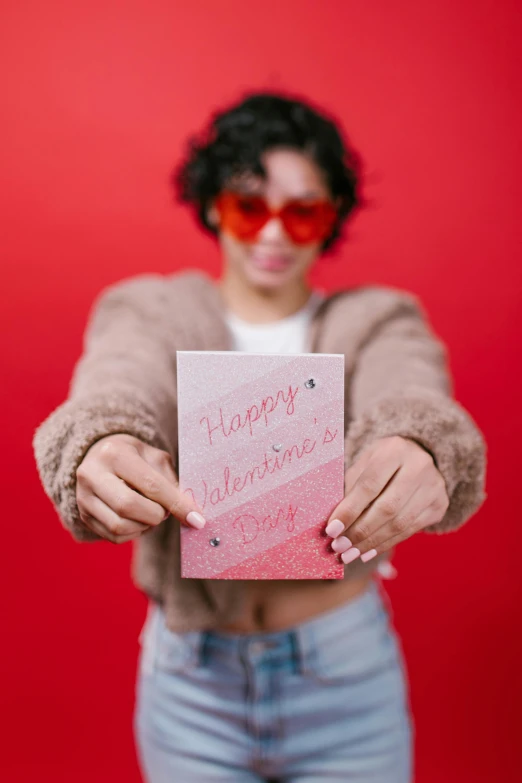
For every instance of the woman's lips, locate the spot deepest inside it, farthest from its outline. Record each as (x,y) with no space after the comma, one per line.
(273,263)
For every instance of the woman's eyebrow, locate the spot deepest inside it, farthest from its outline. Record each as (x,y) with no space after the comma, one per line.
(245,187)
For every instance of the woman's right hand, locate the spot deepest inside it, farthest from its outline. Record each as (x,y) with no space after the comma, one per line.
(124,487)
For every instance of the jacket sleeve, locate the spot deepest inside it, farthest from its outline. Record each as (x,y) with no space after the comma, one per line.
(401,385)
(124,382)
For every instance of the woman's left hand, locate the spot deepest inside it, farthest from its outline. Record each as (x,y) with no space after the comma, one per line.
(392,491)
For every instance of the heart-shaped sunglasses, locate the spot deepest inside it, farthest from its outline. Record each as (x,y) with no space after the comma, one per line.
(244,215)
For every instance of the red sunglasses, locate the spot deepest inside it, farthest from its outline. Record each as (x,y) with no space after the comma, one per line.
(244,215)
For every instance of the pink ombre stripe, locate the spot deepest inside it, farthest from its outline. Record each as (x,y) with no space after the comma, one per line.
(293,437)
(306,556)
(247,531)
(194,422)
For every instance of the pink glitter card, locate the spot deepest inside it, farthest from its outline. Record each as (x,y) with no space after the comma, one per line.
(261,450)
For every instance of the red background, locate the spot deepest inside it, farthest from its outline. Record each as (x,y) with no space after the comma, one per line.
(99,99)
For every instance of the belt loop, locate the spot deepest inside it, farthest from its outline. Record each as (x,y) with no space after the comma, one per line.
(302,647)
(203,648)
(296,652)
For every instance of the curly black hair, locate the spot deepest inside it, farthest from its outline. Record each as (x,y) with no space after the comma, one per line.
(236,137)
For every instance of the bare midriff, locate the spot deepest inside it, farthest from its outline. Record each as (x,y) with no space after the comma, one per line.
(273,605)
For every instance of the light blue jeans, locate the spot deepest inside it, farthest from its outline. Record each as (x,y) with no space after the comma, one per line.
(326,700)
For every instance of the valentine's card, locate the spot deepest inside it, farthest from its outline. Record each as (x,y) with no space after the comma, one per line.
(261,450)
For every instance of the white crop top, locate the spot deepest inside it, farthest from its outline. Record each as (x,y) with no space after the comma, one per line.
(287,335)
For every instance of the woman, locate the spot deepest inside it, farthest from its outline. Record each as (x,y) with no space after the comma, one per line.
(267,680)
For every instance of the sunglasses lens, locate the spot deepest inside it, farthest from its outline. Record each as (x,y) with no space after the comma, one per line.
(242,215)
(308,222)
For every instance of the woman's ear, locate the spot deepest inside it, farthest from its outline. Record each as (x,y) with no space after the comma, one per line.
(213,215)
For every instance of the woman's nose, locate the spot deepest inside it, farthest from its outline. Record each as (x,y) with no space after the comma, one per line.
(273,229)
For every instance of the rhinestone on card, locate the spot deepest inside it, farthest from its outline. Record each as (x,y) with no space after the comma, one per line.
(277,446)
(215,541)
(311,383)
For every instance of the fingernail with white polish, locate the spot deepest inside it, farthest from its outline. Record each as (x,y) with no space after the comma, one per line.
(350,554)
(368,555)
(334,528)
(196,520)
(341,544)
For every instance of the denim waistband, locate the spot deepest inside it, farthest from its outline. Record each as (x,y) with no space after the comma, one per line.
(300,642)
(358,619)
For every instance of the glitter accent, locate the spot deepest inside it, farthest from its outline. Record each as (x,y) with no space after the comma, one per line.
(270,507)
